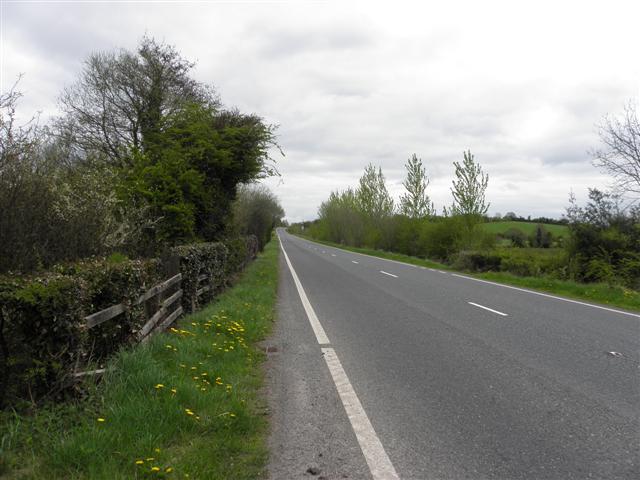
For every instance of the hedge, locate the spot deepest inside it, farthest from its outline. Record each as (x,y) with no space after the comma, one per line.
(43,334)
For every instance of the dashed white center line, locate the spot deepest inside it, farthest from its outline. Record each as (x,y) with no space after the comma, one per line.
(353,261)
(487,308)
(333,254)
(390,274)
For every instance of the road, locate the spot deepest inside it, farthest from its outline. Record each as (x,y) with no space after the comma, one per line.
(457,378)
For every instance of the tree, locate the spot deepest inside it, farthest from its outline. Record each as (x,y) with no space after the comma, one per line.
(121,99)
(372,196)
(620,155)
(469,188)
(541,237)
(341,219)
(256,211)
(416,203)
(180,155)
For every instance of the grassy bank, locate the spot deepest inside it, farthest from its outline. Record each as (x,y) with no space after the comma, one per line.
(185,405)
(615,296)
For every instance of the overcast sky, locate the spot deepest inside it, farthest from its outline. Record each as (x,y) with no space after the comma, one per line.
(521,84)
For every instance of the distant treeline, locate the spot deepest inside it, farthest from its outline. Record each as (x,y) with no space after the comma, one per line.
(603,243)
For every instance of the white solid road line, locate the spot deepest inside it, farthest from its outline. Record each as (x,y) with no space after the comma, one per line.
(353,261)
(379,464)
(390,274)
(376,457)
(487,308)
(548,296)
(321,336)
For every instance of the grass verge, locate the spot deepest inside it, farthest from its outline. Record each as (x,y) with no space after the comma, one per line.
(185,405)
(615,296)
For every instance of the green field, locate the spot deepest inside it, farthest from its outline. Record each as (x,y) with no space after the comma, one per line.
(526,227)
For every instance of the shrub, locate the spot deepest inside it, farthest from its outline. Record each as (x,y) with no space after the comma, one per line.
(477,261)
(42,333)
(517,237)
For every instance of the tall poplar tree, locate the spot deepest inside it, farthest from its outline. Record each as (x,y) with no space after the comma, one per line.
(416,203)
(469,188)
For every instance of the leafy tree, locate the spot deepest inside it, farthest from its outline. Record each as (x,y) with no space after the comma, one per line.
(416,203)
(122,98)
(341,219)
(469,188)
(372,196)
(256,211)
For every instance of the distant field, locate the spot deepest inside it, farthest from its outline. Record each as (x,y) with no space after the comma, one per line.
(526,227)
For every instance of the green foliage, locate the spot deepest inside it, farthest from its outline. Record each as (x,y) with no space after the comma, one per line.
(477,261)
(516,236)
(198,259)
(604,243)
(154,165)
(44,334)
(416,203)
(341,219)
(541,237)
(256,211)
(469,188)
(372,197)
(44,326)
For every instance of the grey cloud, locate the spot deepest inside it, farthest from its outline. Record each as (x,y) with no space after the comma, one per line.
(351,86)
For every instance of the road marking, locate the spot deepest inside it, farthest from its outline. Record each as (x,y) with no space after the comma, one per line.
(353,261)
(374,454)
(440,271)
(548,296)
(321,336)
(333,254)
(487,308)
(390,274)
(379,464)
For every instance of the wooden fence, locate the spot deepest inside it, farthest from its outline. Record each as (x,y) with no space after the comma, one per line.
(159,320)
(164,316)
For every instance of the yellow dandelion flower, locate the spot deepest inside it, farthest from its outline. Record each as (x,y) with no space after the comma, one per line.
(173,390)
(157,450)
(155,469)
(101,420)
(168,469)
(150,459)
(159,386)
(139,462)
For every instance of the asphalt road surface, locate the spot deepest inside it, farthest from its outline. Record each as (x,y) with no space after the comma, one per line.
(424,374)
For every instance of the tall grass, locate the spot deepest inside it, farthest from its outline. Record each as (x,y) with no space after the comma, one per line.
(185,405)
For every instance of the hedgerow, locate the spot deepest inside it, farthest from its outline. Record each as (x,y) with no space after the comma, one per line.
(43,334)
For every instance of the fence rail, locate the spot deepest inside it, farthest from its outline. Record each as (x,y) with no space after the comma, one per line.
(102,316)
